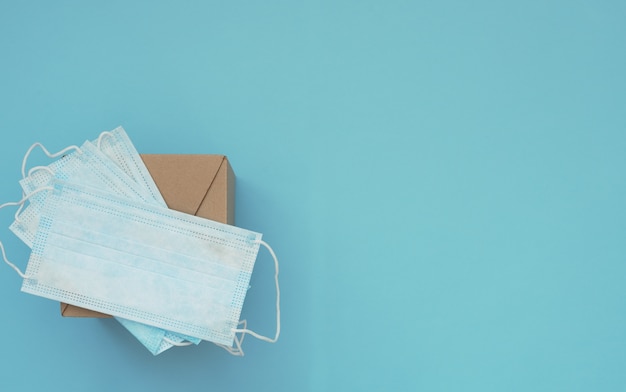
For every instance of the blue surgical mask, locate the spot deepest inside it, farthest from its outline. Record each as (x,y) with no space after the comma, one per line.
(88,165)
(144,263)
(118,147)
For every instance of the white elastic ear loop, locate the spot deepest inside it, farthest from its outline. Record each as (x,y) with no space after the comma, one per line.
(256,335)
(102,135)
(39,168)
(238,351)
(30,172)
(178,344)
(45,150)
(13,203)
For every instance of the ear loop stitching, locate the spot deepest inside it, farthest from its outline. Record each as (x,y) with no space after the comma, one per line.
(13,203)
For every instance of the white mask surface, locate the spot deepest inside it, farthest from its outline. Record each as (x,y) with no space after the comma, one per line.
(142,262)
(87,166)
(90,166)
(118,147)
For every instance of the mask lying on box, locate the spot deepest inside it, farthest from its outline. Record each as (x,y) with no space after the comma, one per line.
(89,166)
(144,263)
(117,146)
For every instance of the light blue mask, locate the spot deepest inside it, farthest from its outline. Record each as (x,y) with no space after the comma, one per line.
(87,165)
(90,166)
(144,263)
(118,147)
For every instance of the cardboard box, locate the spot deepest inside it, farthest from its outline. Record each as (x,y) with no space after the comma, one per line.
(202,185)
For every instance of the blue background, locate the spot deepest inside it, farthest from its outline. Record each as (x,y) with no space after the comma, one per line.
(443,183)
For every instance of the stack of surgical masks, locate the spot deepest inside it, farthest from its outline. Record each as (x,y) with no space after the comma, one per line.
(102,238)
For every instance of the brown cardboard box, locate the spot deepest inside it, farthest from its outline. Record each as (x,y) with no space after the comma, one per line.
(202,185)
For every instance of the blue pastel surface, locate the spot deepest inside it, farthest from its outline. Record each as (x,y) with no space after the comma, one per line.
(443,183)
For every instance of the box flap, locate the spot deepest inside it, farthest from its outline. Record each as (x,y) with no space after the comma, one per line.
(184,180)
(219,202)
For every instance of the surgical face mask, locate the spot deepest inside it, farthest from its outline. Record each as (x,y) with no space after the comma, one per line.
(117,146)
(156,340)
(144,263)
(88,165)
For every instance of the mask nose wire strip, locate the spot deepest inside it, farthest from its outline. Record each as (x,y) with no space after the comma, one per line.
(256,335)
(18,203)
(48,153)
